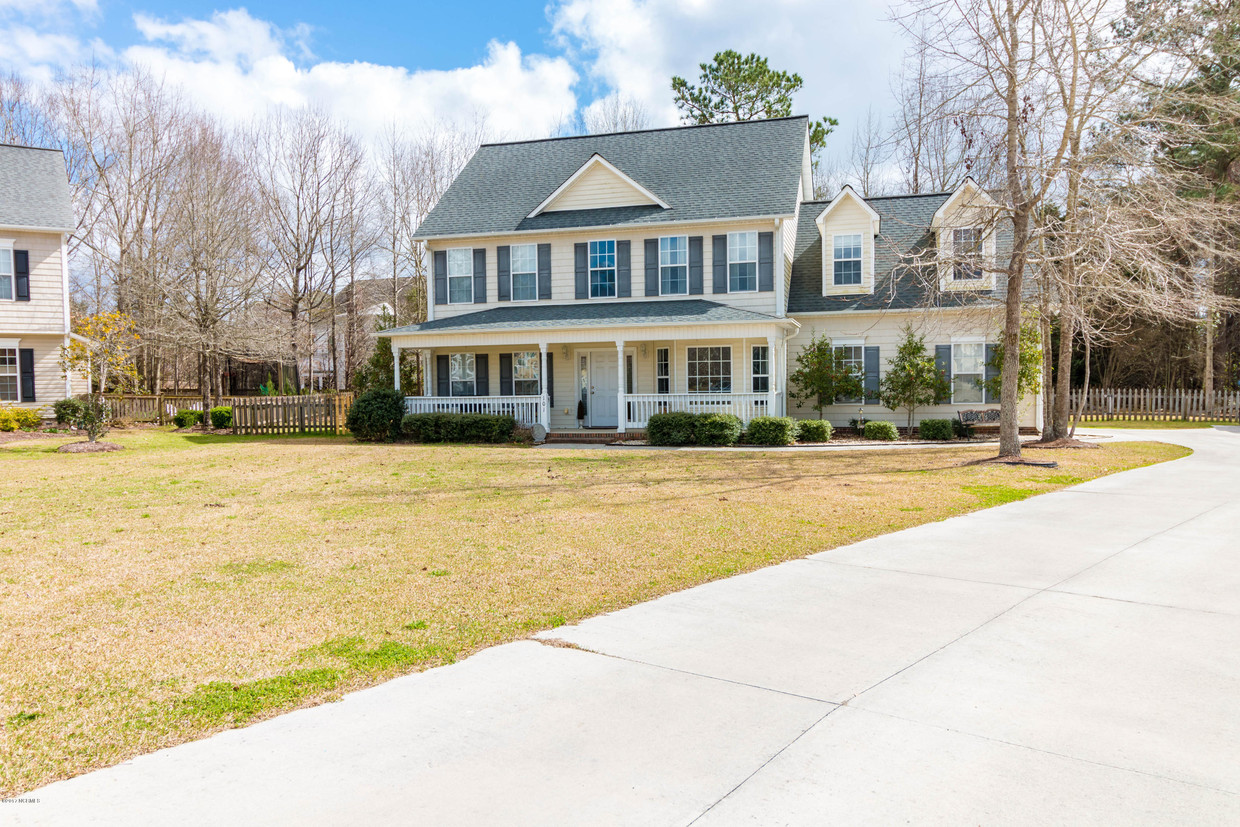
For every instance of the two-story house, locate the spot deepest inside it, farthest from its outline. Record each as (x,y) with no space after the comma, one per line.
(589,282)
(36,219)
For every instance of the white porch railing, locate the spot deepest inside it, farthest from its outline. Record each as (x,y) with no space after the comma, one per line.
(527,410)
(641,406)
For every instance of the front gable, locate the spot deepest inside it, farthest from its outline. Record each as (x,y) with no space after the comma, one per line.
(598,184)
(848,217)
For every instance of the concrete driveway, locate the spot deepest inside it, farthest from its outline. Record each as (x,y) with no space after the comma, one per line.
(1074,658)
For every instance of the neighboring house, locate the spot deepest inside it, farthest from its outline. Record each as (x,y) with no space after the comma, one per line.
(36,218)
(684,269)
(374,300)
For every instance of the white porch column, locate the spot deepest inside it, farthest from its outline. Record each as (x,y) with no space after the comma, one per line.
(622,414)
(772,373)
(396,367)
(544,407)
(426,373)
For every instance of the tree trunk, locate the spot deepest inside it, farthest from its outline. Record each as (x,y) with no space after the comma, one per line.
(1063,376)
(1084,391)
(1009,428)
(1207,372)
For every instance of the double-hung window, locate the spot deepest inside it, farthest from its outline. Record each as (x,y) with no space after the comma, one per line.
(525,373)
(742,262)
(966,254)
(968,370)
(709,369)
(847,259)
(8,375)
(853,358)
(602,269)
(524,258)
(460,276)
(6,273)
(461,373)
(662,370)
(761,369)
(674,265)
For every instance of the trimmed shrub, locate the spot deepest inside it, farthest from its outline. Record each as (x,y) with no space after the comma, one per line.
(717,429)
(13,418)
(881,430)
(375,416)
(961,430)
(221,416)
(186,418)
(458,427)
(935,429)
(674,428)
(771,430)
(814,430)
(67,410)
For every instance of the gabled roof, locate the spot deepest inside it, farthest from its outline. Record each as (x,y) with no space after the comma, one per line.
(34,189)
(847,193)
(712,172)
(599,164)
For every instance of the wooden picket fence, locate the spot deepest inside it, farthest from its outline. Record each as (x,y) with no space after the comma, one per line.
(1156,404)
(152,408)
(318,414)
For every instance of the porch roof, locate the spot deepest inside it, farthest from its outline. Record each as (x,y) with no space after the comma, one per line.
(680,312)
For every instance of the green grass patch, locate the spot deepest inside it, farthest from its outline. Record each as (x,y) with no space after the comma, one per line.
(22,718)
(992,495)
(236,703)
(1153,424)
(414,625)
(385,657)
(252,568)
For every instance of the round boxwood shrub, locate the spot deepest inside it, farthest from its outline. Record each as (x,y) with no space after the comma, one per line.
(673,428)
(814,430)
(375,415)
(717,429)
(458,427)
(68,410)
(221,416)
(186,418)
(881,430)
(935,429)
(771,430)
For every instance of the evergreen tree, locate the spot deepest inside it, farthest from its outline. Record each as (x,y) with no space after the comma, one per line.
(912,380)
(823,376)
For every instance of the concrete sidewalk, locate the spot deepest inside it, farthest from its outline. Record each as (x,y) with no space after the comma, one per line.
(1073,658)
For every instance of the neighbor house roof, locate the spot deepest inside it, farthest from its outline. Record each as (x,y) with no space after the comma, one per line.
(601,314)
(901,277)
(34,189)
(716,171)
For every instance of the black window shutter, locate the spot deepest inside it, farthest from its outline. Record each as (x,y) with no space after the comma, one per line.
(544,271)
(481,375)
(766,262)
(652,267)
(480,275)
(991,372)
(551,379)
(624,269)
(505,374)
(695,265)
(21,275)
(719,264)
(25,368)
(443,382)
(503,273)
(581,274)
(441,278)
(871,375)
(943,361)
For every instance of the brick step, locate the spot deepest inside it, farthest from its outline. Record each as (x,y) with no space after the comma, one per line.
(592,437)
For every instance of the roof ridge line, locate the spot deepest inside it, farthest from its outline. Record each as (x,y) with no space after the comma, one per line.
(644,131)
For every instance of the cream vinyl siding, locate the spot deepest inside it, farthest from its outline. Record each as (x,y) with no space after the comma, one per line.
(886,330)
(563,289)
(598,187)
(44,313)
(49,382)
(848,218)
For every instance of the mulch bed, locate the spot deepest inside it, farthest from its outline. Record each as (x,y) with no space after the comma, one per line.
(22,436)
(89,447)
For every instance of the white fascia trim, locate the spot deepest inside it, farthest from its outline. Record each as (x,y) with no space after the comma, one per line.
(18,228)
(548,334)
(967,185)
(848,191)
(826,314)
(597,159)
(594,228)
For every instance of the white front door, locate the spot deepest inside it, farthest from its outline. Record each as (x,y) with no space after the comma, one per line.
(601,410)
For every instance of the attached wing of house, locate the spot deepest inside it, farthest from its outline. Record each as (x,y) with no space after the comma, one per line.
(589,282)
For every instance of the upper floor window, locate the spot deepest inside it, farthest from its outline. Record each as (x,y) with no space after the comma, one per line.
(966,254)
(968,370)
(674,266)
(602,269)
(8,375)
(6,273)
(709,369)
(460,276)
(525,373)
(742,262)
(461,372)
(761,369)
(524,272)
(847,259)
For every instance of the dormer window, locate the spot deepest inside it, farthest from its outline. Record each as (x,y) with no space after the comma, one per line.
(847,259)
(966,254)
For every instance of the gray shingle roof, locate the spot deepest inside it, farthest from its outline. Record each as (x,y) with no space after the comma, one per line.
(584,314)
(34,189)
(904,233)
(718,171)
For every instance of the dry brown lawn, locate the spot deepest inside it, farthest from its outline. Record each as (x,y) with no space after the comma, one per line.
(192,583)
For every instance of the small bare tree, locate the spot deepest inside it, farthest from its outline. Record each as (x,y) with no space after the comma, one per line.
(616,113)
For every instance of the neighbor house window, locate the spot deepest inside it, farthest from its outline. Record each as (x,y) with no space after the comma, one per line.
(8,375)
(524,272)
(674,266)
(742,262)
(761,369)
(602,269)
(966,254)
(461,374)
(847,259)
(968,369)
(709,369)
(525,373)
(853,357)
(460,276)
(663,370)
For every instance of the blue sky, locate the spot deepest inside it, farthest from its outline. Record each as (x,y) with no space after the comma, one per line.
(524,69)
